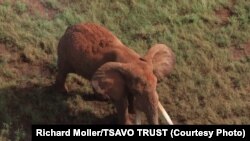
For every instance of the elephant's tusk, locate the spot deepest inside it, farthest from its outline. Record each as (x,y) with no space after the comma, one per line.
(138,118)
(165,114)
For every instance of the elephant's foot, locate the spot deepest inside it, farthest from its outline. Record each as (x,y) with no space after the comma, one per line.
(60,89)
(125,120)
(128,122)
(138,118)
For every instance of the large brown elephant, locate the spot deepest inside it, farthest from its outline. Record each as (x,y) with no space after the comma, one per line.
(115,70)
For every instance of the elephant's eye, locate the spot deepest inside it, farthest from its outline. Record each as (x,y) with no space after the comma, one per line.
(142,59)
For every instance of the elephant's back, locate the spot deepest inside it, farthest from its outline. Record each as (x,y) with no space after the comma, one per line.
(91,36)
(86,46)
(87,40)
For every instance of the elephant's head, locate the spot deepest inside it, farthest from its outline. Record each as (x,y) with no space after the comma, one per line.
(135,82)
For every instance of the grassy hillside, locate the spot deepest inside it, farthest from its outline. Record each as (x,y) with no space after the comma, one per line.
(209,85)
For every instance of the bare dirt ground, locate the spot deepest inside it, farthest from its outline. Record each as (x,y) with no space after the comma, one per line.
(243,51)
(35,5)
(223,14)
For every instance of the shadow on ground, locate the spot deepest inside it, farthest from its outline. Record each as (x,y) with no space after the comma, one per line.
(20,107)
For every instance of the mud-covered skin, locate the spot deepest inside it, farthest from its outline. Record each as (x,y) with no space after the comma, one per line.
(116,71)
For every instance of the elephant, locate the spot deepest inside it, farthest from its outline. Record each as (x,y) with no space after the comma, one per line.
(114,70)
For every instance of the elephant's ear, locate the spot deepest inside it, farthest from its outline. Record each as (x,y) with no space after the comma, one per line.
(162,58)
(108,78)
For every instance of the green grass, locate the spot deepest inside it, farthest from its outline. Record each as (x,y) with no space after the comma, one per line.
(207,86)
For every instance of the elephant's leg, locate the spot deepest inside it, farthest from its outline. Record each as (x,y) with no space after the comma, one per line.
(60,82)
(131,108)
(122,111)
(151,110)
(152,116)
(63,70)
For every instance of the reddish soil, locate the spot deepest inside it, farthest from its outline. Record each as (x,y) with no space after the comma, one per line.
(238,53)
(233,2)
(37,6)
(223,14)
(2,48)
(5,53)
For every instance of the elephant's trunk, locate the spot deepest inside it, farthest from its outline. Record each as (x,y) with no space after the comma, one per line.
(148,104)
